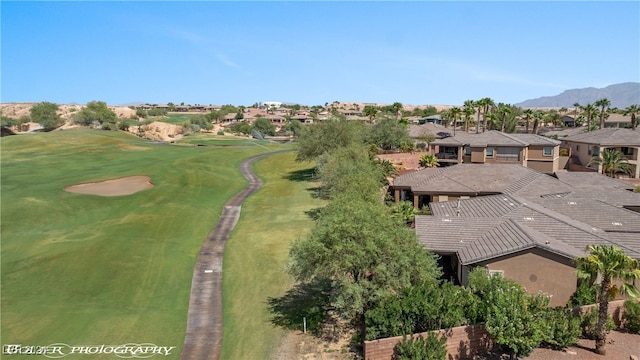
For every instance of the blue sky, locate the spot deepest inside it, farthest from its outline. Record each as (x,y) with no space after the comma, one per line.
(313,52)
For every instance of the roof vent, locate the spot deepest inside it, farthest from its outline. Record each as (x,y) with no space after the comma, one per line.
(528,218)
(616,224)
(547,242)
(571,202)
(446,220)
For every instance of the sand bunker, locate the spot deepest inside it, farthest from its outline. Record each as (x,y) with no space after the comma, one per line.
(115,187)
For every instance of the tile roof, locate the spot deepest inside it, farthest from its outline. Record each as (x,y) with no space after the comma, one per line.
(607,137)
(429,128)
(477,179)
(496,138)
(557,224)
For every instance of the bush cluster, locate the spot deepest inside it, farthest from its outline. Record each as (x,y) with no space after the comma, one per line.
(631,316)
(419,348)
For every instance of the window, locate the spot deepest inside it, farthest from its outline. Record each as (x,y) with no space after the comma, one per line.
(596,151)
(489,152)
(508,154)
(547,151)
(467,151)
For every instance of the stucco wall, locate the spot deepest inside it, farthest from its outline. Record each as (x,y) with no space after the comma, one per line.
(539,271)
(463,342)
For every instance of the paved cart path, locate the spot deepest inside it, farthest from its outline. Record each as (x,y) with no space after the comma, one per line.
(204,327)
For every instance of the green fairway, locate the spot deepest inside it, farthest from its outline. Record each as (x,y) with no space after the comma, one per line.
(257,252)
(84,269)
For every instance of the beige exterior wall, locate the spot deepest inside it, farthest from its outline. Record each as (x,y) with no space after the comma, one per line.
(441,198)
(544,166)
(477,155)
(581,151)
(539,271)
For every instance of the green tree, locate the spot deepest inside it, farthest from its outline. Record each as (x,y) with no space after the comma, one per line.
(370,112)
(538,117)
(328,135)
(486,105)
(603,104)
(364,253)
(293,127)
(397,109)
(588,116)
(429,161)
(527,115)
(611,264)
(351,169)
(468,110)
(264,126)
(512,318)
(95,112)
(632,110)
(611,161)
(45,114)
(454,115)
(389,134)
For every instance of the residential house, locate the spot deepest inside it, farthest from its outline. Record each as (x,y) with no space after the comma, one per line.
(495,147)
(586,145)
(531,228)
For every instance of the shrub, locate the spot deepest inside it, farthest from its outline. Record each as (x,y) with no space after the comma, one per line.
(589,323)
(632,316)
(585,294)
(419,348)
(220,132)
(421,146)
(109,126)
(563,328)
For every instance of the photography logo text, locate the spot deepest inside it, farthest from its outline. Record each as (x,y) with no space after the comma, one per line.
(60,350)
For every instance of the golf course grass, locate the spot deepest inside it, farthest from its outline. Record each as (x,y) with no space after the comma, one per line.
(257,252)
(91,270)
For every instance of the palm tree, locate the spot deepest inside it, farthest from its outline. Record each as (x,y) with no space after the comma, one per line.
(611,161)
(487,104)
(632,109)
(527,115)
(503,111)
(428,161)
(478,104)
(589,112)
(554,117)
(454,113)
(468,110)
(397,108)
(538,117)
(603,103)
(611,263)
(370,112)
(563,111)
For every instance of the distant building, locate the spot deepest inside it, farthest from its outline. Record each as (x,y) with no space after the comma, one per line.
(270,104)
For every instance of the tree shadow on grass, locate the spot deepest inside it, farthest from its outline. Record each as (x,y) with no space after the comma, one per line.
(302,175)
(308,175)
(308,301)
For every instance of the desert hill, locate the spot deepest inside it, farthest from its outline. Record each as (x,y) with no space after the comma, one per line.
(620,95)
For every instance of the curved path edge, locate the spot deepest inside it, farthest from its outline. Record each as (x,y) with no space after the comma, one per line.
(203,338)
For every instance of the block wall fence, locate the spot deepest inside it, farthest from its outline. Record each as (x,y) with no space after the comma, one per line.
(465,342)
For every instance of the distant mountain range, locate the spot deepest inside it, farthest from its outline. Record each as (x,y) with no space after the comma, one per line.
(620,95)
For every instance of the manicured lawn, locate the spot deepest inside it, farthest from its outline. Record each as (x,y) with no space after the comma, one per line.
(257,252)
(85,269)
